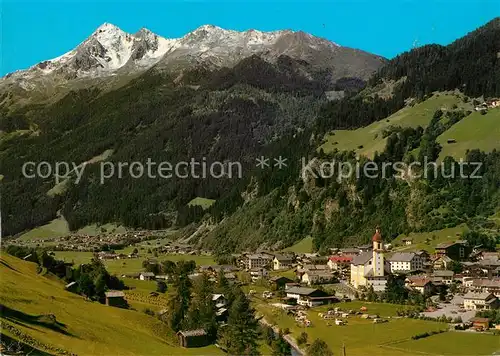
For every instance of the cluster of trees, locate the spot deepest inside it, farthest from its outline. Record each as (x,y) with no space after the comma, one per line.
(477,238)
(190,306)
(470,64)
(41,257)
(169,268)
(93,280)
(493,315)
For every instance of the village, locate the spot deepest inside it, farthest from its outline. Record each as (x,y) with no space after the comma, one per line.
(455,287)
(338,289)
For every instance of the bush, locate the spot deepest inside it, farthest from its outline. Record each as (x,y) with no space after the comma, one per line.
(302,339)
(161,287)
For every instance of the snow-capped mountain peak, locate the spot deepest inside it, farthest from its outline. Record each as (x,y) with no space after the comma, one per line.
(110,51)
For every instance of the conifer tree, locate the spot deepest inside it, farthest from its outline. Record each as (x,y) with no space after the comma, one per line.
(240,335)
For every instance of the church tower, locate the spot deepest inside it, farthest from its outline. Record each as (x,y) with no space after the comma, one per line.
(378,254)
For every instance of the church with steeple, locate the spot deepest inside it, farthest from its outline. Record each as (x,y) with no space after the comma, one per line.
(371,268)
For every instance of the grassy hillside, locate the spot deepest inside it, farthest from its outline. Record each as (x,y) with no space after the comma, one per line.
(474,131)
(204,203)
(303,246)
(80,326)
(429,240)
(367,140)
(59,227)
(56,228)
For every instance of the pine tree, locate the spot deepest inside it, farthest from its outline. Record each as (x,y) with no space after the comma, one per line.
(178,301)
(319,348)
(240,334)
(201,312)
(281,347)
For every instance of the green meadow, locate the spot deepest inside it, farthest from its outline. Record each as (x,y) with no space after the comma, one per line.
(130,265)
(428,240)
(360,336)
(204,203)
(41,313)
(474,131)
(303,246)
(367,140)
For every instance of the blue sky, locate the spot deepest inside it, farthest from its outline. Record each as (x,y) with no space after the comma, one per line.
(37,30)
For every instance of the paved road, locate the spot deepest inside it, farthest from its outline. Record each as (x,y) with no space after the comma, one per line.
(296,350)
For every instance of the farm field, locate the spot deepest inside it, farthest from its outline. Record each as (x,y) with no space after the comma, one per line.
(367,140)
(435,237)
(453,344)
(129,265)
(474,131)
(76,257)
(360,337)
(80,326)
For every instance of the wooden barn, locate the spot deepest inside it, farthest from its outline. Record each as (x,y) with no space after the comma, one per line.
(193,338)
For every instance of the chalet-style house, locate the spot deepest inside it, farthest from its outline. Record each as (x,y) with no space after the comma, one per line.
(309,296)
(443,276)
(480,301)
(339,262)
(480,324)
(317,277)
(146,276)
(404,262)
(258,273)
(458,250)
(421,284)
(279,282)
(439,262)
(284,261)
(486,285)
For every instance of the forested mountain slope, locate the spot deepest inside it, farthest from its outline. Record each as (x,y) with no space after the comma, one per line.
(260,108)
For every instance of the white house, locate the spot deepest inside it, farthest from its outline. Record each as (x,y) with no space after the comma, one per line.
(420,284)
(309,296)
(146,276)
(405,262)
(257,260)
(282,262)
(258,272)
(480,301)
(317,277)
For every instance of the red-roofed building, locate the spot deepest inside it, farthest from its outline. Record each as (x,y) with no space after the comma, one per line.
(421,284)
(336,262)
